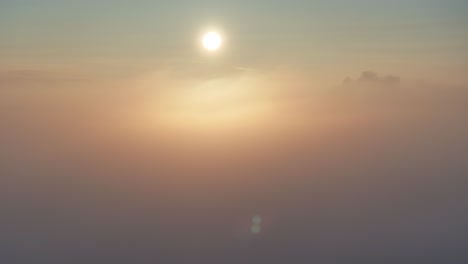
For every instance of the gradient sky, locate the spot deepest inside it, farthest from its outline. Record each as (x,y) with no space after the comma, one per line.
(341,124)
(421,39)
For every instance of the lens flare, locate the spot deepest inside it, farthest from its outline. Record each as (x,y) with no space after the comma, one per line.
(257,220)
(255,229)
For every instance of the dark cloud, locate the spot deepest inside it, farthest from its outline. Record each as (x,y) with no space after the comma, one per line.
(372,77)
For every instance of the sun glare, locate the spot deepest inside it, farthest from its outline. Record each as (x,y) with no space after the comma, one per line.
(212,41)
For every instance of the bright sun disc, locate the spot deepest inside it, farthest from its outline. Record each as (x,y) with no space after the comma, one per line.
(212,41)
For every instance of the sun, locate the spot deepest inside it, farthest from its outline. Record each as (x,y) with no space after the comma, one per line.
(212,41)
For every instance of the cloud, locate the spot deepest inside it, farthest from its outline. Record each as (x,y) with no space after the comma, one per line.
(372,77)
(380,160)
(33,77)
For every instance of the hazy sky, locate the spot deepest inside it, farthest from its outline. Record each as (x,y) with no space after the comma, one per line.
(421,39)
(342,125)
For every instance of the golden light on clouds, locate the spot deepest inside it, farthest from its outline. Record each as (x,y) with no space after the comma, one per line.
(232,102)
(215,104)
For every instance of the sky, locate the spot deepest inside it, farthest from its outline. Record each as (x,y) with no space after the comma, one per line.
(418,39)
(320,132)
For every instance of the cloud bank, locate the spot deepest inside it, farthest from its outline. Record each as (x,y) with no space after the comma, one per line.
(372,168)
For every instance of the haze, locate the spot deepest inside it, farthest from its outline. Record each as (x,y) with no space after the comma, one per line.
(320,132)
